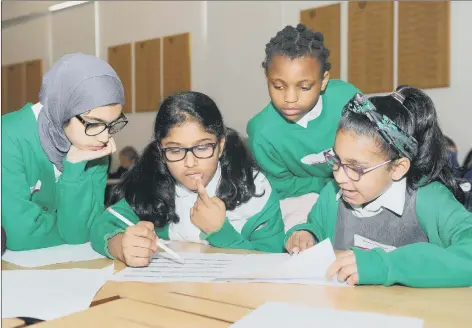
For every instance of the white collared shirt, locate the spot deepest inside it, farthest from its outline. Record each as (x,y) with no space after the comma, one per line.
(36,110)
(185,199)
(393,199)
(312,114)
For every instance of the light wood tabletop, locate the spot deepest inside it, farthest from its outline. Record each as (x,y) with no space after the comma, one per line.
(12,323)
(437,307)
(227,302)
(190,304)
(127,313)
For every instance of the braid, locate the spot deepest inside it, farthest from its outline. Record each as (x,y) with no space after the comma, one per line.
(295,43)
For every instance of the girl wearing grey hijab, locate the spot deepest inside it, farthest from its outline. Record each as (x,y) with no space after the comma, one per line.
(55,154)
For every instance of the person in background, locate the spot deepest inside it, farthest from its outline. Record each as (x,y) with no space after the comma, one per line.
(452,157)
(467,180)
(128,157)
(467,167)
(54,154)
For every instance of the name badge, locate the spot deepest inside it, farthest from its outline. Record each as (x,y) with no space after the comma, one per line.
(366,243)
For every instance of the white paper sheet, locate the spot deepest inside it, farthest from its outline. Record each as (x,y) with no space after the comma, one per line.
(197,267)
(52,255)
(50,294)
(282,315)
(308,267)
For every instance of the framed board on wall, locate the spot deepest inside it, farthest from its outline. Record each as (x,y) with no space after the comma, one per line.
(370,46)
(34,77)
(15,87)
(4,90)
(176,63)
(424,43)
(327,20)
(119,57)
(148,75)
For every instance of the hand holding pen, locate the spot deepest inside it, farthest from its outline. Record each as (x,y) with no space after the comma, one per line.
(139,242)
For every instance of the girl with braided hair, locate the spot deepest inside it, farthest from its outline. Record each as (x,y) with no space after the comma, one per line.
(395,208)
(289,136)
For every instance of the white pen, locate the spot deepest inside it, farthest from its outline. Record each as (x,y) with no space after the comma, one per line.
(158,242)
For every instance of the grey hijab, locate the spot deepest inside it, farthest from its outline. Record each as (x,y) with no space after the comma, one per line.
(75,84)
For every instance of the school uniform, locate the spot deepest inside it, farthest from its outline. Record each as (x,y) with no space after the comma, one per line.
(418,238)
(292,154)
(255,225)
(42,206)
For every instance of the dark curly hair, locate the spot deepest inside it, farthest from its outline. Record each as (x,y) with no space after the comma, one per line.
(296,43)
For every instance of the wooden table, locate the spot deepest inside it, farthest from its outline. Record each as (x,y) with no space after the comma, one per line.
(220,304)
(12,323)
(129,313)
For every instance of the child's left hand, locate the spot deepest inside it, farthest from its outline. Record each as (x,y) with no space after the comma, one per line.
(208,213)
(345,267)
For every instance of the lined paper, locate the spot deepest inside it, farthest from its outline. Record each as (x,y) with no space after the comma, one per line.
(308,267)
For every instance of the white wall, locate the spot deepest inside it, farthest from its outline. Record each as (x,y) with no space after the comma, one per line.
(15,8)
(25,42)
(236,43)
(73,30)
(227,40)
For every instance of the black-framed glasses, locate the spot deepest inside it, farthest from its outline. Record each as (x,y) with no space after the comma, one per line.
(95,128)
(354,173)
(175,154)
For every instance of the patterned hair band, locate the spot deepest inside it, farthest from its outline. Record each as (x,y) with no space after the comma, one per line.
(404,143)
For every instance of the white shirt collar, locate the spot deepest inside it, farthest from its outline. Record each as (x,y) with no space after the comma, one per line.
(393,199)
(181,191)
(312,114)
(37,109)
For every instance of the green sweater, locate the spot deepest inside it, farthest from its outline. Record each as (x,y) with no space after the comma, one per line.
(262,231)
(60,212)
(446,261)
(279,146)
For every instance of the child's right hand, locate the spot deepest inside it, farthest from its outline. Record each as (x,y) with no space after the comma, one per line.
(139,244)
(76,155)
(299,241)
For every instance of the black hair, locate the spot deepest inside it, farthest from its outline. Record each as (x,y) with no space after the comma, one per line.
(149,188)
(449,142)
(468,161)
(296,43)
(417,117)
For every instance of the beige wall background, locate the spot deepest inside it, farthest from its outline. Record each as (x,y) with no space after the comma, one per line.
(227,43)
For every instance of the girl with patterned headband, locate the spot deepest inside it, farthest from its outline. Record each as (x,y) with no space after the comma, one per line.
(395,208)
